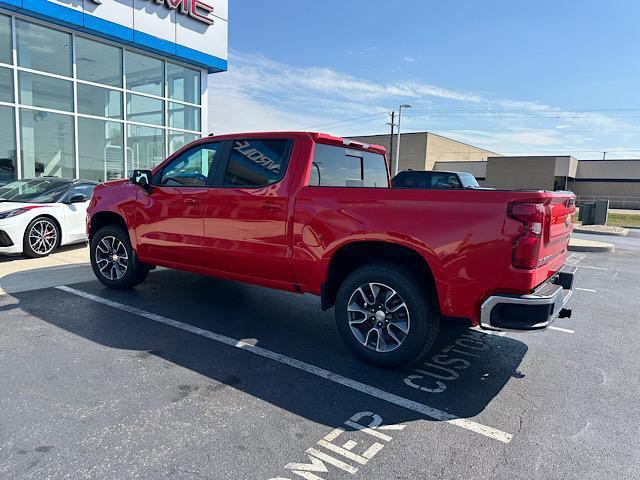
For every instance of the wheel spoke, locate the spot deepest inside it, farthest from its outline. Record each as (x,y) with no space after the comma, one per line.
(393,335)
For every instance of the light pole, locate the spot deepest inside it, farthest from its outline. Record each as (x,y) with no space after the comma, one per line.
(397,163)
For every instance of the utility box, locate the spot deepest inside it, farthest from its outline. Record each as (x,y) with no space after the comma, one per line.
(587,213)
(601,212)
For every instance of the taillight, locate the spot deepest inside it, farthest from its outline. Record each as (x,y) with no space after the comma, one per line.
(526,247)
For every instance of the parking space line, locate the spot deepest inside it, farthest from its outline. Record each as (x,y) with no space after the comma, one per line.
(586,290)
(426,410)
(560,329)
(589,266)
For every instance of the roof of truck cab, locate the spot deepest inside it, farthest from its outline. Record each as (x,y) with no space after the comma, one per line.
(315,136)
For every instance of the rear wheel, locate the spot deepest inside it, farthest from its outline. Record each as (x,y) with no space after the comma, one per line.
(41,237)
(113,259)
(386,315)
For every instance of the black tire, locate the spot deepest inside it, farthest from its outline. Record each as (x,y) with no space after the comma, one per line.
(27,248)
(423,318)
(135,272)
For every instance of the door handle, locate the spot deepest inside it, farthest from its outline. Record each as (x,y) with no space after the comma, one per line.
(271,206)
(193,201)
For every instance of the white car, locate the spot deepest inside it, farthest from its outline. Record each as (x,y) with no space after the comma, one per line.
(38,215)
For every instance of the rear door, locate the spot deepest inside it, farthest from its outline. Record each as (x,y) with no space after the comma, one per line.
(245,215)
(170,217)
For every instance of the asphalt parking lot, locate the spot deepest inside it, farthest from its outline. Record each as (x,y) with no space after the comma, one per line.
(195,378)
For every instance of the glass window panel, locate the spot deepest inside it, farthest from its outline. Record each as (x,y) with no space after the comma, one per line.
(43,48)
(47,144)
(255,163)
(98,62)
(7,145)
(177,140)
(45,92)
(191,168)
(145,109)
(375,170)
(184,83)
(6,55)
(98,101)
(145,146)
(6,85)
(333,168)
(184,116)
(144,74)
(100,149)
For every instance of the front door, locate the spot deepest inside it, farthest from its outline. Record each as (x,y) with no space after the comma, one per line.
(170,217)
(75,214)
(245,218)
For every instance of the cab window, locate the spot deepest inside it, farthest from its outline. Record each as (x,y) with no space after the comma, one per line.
(335,166)
(190,169)
(257,163)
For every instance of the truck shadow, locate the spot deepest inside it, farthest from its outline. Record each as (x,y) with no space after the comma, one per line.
(461,375)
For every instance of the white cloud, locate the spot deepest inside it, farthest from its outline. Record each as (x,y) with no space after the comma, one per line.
(258,94)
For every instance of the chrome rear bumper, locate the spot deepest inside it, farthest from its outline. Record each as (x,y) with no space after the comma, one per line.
(536,311)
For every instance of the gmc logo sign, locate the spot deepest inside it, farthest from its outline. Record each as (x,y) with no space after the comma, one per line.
(196,9)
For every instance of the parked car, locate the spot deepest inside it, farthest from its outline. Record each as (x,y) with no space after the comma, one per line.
(40,214)
(434,179)
(309,212)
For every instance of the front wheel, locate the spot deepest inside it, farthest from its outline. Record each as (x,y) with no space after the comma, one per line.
(385,314)
(113,259)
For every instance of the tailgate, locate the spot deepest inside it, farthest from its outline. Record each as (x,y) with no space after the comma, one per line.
(558,225)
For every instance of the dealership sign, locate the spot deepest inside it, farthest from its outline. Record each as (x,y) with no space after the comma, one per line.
(196,9)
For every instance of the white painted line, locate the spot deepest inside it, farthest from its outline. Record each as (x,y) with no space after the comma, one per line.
(586,290)
(306,367)
(588,266)
(559,329)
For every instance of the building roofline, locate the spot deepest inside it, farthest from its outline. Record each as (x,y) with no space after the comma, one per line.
(427,134)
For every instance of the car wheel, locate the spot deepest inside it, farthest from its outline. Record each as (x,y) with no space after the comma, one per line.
(113,259)
(41,237)
(386,315)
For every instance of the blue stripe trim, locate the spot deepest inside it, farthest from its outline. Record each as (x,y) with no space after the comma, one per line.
(76,20)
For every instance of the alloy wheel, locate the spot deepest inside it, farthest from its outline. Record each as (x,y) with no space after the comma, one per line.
(43,237)
(378,317)
(112,258)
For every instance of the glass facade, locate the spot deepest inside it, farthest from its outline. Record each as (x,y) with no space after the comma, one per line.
(79,107)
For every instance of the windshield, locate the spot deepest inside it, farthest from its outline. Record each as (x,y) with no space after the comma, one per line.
(33,191)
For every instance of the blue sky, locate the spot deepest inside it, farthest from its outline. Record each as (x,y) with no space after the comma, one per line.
(514,77)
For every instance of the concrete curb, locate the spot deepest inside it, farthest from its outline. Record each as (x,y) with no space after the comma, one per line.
(580,245)
(622,232)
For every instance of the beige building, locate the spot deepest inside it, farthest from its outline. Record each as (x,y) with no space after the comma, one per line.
(422,150)
(615,180)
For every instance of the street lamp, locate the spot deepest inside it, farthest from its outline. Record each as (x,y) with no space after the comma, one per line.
(395,168)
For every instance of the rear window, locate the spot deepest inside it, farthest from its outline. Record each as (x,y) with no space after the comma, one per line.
(344,167)
(256,163)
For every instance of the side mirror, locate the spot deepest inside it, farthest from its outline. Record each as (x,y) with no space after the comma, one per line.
(142,178)
(78,198)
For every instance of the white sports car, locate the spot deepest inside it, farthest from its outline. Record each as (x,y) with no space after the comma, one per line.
(38,215)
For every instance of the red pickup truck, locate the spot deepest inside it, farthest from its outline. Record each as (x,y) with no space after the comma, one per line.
(312,213)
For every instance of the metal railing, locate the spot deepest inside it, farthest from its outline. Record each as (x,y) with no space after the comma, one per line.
(630,203)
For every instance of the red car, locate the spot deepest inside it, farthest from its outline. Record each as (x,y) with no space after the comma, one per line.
(308,212)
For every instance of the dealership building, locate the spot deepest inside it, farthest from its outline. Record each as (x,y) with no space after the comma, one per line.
(93,88)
